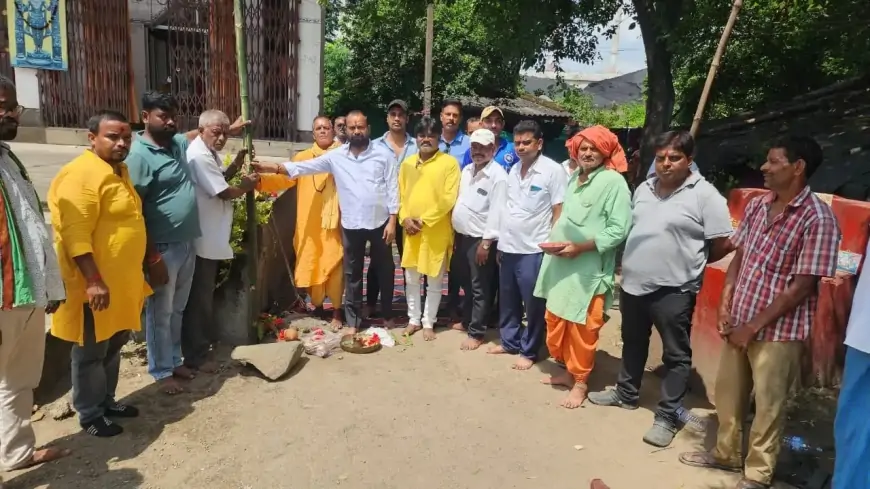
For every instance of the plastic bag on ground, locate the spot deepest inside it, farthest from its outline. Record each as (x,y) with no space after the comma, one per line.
(320,342)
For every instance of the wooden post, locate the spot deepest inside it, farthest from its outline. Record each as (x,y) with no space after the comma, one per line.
(251,245)
(427,70)
(714,66)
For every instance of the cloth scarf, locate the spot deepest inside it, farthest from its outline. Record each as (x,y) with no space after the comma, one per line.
(18,290)
(605,142)
(329,216)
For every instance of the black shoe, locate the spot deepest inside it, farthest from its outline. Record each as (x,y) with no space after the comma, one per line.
(102,427)
(118,410)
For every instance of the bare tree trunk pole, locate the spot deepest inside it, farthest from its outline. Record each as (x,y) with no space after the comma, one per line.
(427,73)
(251,244)
(714,66)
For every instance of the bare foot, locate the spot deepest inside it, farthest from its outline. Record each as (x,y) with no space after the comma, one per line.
(348,330)
(564,379)
(457,326)
(45,455)
(389,324)
(429,334)
(335,325)
(183,372)
(411,329)
(170,386)
(470,344)
(576,397)
(522,363)
(498,350)
(209,367)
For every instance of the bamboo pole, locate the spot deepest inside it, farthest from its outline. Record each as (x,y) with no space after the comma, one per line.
(714,66)
(251,245)
(427,69)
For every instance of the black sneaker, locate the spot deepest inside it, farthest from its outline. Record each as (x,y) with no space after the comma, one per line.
(102,427)
(118,410)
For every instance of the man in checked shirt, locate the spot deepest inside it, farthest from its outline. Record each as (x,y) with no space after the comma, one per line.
(787,241)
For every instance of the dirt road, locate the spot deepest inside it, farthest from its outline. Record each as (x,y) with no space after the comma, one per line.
(426,416)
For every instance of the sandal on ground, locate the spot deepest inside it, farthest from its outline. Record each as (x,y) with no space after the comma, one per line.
(751,484)
(43,456)
(705,460)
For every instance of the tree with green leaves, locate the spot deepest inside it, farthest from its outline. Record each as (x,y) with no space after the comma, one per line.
(479,48)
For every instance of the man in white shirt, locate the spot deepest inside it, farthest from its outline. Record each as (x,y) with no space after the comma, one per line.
(851,430)
(214,197)
(534,196)
(476,221)
(368,198)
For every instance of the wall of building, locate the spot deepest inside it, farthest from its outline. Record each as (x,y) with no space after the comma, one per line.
(310,65)
(309,54)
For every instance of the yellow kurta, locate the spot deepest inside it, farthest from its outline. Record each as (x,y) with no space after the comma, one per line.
(95,211)
(428,191)
(317,240)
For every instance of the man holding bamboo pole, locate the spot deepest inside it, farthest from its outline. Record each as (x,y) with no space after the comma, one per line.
(159,171)
(368,200)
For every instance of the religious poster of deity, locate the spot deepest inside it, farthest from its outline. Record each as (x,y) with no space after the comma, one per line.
(37,34)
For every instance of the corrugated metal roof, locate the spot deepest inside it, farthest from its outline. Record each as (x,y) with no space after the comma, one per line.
(529,106)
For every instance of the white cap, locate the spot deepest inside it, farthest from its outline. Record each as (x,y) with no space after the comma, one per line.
(483,136)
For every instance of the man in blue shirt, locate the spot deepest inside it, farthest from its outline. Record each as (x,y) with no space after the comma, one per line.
(492,118)
(453,141)
(398,143)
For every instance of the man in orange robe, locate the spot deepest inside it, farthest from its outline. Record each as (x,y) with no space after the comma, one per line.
(317,240)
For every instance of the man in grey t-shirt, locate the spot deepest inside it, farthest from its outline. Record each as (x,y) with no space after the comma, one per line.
(680,222)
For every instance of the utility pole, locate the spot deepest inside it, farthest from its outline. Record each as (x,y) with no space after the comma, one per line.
(614,46)
(427,70)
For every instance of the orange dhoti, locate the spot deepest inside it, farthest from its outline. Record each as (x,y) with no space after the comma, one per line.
(574,344)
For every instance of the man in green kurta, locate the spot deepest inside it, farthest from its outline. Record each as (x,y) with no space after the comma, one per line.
(577,280)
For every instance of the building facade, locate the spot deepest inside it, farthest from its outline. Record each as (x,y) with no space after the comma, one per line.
(119,49)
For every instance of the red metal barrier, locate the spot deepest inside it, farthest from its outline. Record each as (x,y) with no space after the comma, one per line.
(825,346)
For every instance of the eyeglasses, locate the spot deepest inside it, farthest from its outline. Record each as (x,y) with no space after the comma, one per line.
(11,112)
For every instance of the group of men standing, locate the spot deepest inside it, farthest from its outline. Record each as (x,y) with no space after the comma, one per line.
(143,223)
(481,214)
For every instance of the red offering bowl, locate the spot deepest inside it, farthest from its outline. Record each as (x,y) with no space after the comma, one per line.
(553,247)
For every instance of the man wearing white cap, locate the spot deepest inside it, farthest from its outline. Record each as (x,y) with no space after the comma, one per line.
(476,222)
(492,118)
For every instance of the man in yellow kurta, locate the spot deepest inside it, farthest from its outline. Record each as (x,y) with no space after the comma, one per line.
(428,187)
(317,240)
(99,236)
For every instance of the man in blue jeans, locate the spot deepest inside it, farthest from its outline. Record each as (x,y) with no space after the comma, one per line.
(158,168)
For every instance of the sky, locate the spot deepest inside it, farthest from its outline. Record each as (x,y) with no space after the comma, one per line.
(631,54)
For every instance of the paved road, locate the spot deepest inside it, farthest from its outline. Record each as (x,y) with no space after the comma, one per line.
(43,161)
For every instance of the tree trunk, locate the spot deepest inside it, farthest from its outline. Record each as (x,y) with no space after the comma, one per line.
(654,21)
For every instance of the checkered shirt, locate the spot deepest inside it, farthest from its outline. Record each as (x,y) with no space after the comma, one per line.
(803,240)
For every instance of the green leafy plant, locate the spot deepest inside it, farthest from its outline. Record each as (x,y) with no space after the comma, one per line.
(584,111)
(237,232)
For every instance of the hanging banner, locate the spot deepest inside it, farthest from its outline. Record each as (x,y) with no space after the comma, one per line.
(37,34)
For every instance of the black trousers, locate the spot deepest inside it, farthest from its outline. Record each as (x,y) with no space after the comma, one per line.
(454,281)
(372,276)
(381,254)
(670,311)
(478,281)
(198,329)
